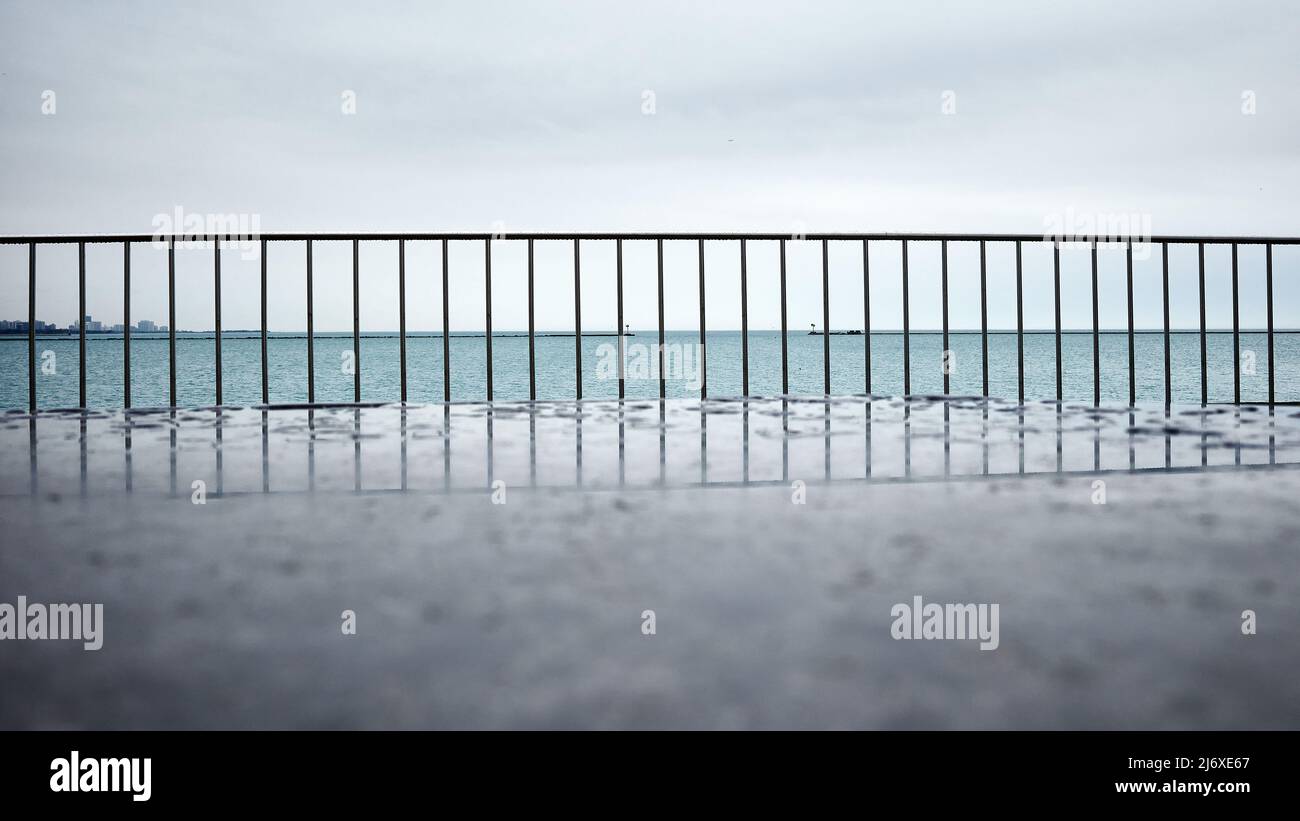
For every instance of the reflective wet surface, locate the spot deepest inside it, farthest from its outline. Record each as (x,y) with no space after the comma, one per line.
(608,444)
(499,561)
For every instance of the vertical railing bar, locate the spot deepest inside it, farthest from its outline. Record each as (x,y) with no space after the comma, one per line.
(1268,274)
(487,287)
(618,284)
(126,325)
(1020,345)
(744,321)
(704,370)
(532,331)
(311,331)
(1164,253)
(1096,333)
(216,316)
(446,331)
(1236,334)
(785,351)
(266,379)
(1056,285)
(866,313)
(577,317)
(171,317)
(356,321)
(1205,389)
(81,324)
(1132,358)
(826,319)
(945,360)
(663,385)
(401,312)
(907,330)
(984,319)
(31,329)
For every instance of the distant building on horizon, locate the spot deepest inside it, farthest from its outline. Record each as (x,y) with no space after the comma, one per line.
(20,326)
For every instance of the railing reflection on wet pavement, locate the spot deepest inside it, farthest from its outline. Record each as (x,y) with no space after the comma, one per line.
(612,444)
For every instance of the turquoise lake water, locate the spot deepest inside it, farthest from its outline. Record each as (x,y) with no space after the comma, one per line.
(287,353)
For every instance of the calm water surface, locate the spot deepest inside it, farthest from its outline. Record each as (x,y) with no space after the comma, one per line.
(555,357)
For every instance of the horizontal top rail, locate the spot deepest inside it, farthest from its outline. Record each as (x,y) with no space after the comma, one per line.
(326,236)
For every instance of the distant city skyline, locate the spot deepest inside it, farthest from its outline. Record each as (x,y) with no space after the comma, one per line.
(92,326)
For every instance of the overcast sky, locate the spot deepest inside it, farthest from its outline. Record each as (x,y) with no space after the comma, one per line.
(761,116)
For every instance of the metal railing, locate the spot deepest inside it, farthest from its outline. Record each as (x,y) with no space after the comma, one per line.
(216,241)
